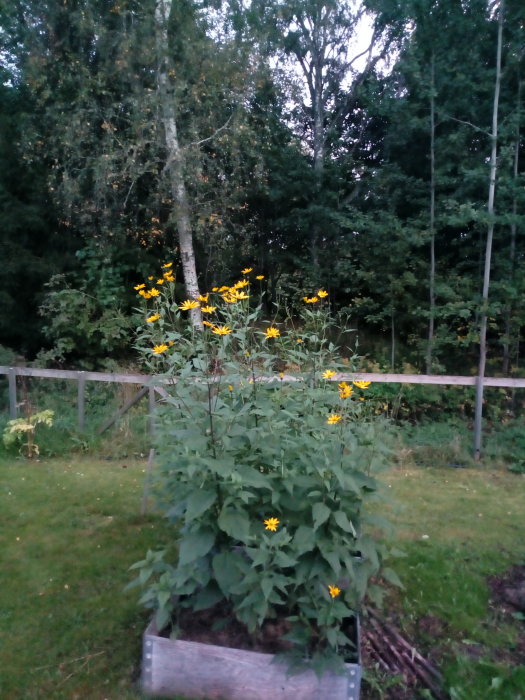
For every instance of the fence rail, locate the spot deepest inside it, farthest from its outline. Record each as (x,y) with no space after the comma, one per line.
(152,384)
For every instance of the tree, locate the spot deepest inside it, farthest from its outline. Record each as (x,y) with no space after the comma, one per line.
(319,36)
(175,161)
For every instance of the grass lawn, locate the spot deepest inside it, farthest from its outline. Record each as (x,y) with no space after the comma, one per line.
(69,530)
(458,527)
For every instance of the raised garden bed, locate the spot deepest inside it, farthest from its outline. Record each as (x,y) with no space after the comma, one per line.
(187,669)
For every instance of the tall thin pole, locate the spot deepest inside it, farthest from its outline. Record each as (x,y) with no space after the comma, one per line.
(478,418)
(432,222)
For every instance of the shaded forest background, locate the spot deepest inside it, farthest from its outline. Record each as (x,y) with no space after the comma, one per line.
(320,142)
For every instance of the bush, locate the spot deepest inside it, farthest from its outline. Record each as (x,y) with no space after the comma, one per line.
(266,480)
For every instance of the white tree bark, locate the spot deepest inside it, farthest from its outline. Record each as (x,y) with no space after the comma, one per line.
(175,157)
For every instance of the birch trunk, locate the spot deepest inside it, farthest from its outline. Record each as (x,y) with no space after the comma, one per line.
(175,164)
(478,418)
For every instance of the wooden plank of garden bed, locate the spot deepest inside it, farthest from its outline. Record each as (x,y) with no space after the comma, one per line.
(174,668)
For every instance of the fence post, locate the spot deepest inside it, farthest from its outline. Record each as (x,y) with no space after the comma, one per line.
(81,401)
(151,410)
(13,406)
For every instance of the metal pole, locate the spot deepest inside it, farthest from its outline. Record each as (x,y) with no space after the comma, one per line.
(13,406)
(81,401)
(151,407)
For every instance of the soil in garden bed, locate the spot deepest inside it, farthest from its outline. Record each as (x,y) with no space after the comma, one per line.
(217,625)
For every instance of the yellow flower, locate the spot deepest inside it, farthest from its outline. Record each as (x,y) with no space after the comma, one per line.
(240,284)
(188,304)
(299,340)
(230,387)
(160,281)
(259,277)
(140,286)
(155,317)
(222,289)
(170,264)
(334,418)
(322,293)
(334,591)
(203,297)
(310,300)
(215,289)
(154,292)
(145,294)
(246,270)
(168,277)
(239,295)
(150,278)
(229,298)
(361,384)
(208,309)
(345,390)
(328,374)
(271,524)
(221,330)
(207,323)
(272,332)
(158,349)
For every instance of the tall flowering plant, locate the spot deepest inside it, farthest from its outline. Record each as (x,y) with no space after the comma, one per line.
(266,476)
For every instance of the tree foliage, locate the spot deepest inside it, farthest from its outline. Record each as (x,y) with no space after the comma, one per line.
(305,150)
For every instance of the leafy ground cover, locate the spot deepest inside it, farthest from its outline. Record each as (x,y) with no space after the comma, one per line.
(69,529)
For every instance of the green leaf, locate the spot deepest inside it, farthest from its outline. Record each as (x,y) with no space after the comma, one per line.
(320,514)
(163,597)
(235,523)
(162,618)
(207,597)
(194,545)
(333,559)
(227,571)
(267,587)
(251,477)
(304,539)
(282,559)
(198,502)
(344,523)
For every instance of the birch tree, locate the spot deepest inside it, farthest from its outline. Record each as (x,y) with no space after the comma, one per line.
(175,165)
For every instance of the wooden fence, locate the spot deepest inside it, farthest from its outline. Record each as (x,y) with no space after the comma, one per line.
(152,385)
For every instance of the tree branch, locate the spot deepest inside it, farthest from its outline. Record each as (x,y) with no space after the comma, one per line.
(209,138)
(476,128)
